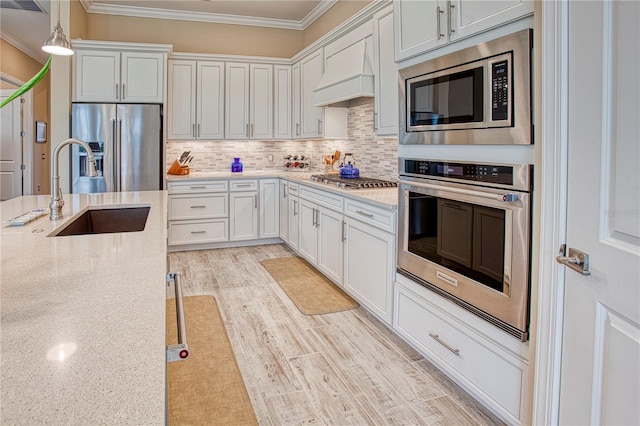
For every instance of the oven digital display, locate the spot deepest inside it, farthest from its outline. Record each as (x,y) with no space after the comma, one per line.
(447,170)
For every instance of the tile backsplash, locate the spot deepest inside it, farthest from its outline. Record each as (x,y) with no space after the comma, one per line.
(375,156)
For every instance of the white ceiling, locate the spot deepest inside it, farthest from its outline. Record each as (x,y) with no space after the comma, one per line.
(27,30)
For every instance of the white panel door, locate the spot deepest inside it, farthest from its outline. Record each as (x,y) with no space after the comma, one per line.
(308,236)
(330,247)
(210,100)
(269,203)
(261,101)
(294,222)
(310,116)
(282,102)
(468,17)
(236,101)
(10,148)
(386,72)
(97,76)
(600,370)
(243,216)
(418,26)
(284,210)
(142,77)
(181,108)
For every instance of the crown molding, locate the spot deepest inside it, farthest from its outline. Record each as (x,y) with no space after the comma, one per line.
(317,12)
(121,45)
(38,56)
(229,58)
(145,12)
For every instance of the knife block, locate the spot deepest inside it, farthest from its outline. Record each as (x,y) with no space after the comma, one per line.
(177,169)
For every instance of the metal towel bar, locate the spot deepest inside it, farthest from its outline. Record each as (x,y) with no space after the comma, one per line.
(179,351)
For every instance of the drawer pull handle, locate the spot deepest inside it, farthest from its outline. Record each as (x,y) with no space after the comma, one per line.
(365,214)
(446,345)
(198,232)
(198,207)
(198,187)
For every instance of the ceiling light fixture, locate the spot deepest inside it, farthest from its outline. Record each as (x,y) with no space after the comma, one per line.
(57,43)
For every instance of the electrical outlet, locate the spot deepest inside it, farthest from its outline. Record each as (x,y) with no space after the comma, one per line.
(270,157)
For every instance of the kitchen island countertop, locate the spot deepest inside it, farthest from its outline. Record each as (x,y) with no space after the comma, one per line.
(83,317)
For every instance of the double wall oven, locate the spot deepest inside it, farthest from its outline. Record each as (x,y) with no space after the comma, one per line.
(464,232)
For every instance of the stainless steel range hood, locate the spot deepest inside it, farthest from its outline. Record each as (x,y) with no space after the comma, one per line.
(348,75)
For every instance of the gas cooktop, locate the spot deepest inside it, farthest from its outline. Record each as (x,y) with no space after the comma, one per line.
(358,183)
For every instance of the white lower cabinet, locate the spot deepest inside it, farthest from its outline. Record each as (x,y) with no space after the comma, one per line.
(369,259)
(490,366)
(283,201)
(308,236)
(243,210)
(269,209)
(330,247)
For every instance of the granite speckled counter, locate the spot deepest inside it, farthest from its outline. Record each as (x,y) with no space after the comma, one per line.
(83,317)
(383,197)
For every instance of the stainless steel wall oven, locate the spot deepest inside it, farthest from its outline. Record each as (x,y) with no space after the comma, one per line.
(464,232)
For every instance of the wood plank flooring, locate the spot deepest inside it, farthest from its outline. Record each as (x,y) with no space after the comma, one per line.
(345,368)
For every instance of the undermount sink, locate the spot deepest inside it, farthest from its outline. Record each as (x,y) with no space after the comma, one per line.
(106,221)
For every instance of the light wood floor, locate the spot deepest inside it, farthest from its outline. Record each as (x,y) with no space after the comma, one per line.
(345,368)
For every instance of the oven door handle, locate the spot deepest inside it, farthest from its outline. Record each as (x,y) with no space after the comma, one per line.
(500,197)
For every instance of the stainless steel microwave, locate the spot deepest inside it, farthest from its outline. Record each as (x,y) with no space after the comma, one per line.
(479,95)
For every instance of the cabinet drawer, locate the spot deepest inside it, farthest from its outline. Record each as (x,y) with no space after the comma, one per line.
(322,198)
(473,360)
(293,188)
(199,206)
(243,185)
(198,231)
(197,187)
(376,216)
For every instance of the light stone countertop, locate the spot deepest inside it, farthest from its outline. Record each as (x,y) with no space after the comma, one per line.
(83,317)
(383,197)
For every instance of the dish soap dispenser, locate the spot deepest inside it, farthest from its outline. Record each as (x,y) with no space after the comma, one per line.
(236,166)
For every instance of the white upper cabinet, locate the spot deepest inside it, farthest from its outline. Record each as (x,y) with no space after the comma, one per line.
(283,96)
(311,117)
(195,107)
(386,74)
(118,76)
(249,101)
(423,25)
(296,103)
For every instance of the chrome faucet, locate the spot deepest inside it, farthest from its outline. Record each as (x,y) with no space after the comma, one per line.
(56,193)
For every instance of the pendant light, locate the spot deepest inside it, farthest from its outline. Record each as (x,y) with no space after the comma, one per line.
(57,43)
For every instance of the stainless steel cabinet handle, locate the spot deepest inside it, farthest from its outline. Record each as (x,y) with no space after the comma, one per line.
(295,208)
(375,121)
(179,351)
(297,129)
(246,130)
(438,26)
(451,7)
(198,131)
(255,201)
(123,91)
(365,214)
(117,91)
(344,234)
(198,207)
(284,190)
(317,218)
(243,185)
(313,218)
(198,187)
(319,127)
(251,133)
(446,345)
(198,232)
(193,130)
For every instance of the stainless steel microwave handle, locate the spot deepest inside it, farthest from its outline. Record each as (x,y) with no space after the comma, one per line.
(179,351)
(439,12)
(489,195)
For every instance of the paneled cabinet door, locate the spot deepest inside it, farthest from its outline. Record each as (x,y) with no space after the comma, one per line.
(261,101)
(368,260)
(311,68)
(97,76)
(210,100)
(142,77)
(282,102)
(181,108)
(297,102)
(269,215)
(284,210)
(243,215)
(237,101)
(308,236)
(330,247)
(418,26)
(294,222)
(386,72)
(468,17)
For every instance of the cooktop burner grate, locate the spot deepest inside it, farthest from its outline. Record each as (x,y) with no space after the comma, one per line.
(359,183)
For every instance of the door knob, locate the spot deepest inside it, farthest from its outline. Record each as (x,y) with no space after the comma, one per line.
(576,260)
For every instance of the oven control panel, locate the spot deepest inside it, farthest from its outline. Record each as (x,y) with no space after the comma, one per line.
(499,174)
